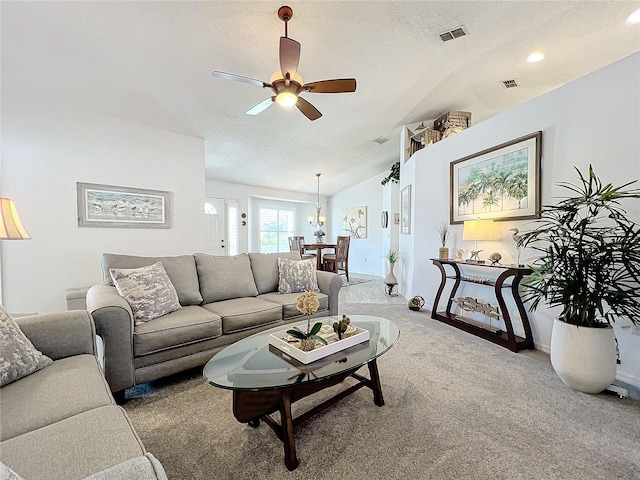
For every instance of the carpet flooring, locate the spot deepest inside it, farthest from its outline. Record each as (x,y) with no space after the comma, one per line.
(354,281)
(456,406)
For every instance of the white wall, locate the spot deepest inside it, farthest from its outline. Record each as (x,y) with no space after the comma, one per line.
(45,154)
(366,255)
(595,119)
(248,196)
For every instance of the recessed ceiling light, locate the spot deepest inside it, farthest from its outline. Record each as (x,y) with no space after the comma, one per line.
(535,57)
(634,17)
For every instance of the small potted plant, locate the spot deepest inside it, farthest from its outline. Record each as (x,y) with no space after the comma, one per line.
(444,231)
(342,327)
(391,257)
(589,265)
(307,303)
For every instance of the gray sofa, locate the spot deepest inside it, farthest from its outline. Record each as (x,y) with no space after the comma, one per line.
(62,422)
(223,299)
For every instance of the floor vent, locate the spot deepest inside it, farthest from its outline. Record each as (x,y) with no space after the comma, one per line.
(457,32)
(509,83)
(381,140)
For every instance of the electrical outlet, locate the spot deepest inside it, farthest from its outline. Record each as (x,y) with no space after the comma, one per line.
(635,329)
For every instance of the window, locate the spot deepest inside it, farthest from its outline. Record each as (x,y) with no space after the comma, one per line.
(276,226)
(233,243)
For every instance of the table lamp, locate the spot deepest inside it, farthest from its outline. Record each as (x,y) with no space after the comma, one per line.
(477,230)
(10,225)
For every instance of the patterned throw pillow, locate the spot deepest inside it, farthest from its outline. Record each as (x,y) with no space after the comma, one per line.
(18,356)
(147,290)
(297,275)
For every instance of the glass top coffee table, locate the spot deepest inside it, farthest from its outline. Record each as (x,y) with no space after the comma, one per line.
(265,380)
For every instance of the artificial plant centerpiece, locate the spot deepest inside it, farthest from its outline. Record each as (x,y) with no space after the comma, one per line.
(444,231)
(589,265)
(307,303)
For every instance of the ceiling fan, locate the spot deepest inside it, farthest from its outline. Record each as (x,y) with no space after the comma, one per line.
(286,84)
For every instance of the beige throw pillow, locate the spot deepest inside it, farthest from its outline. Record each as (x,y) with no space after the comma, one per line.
(297,275)
(148,290)
(18,356)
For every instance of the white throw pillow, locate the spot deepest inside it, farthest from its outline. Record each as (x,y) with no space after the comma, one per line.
(297,275)
(148,290)
(18,356)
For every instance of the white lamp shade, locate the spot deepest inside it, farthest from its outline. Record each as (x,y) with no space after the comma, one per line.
(478,230)
(10,225)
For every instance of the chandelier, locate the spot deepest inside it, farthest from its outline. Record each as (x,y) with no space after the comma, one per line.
(318,221)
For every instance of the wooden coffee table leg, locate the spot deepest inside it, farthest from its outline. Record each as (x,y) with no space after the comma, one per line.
(290,460)
(375,383)
(255,423)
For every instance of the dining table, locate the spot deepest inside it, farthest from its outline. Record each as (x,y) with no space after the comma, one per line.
(318,247)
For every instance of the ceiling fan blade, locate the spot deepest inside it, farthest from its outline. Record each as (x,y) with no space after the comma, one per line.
(289,56)
(339,85)
(239,78)
(309,111)
(262,106)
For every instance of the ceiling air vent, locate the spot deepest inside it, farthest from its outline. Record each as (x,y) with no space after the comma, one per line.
(509,83)
(381,140)
(460,31)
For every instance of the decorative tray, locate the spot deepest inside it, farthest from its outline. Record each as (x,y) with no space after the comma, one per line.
(279,340)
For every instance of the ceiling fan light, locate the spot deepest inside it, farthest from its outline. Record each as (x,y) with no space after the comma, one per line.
(276,76)
(286,99)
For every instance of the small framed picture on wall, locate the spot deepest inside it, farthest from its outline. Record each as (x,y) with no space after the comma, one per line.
(405,210)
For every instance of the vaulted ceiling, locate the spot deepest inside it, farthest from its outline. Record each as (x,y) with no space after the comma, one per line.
(151,63)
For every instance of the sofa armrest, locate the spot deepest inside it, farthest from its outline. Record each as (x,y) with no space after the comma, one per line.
(330,284)
(61,334)
(114,323)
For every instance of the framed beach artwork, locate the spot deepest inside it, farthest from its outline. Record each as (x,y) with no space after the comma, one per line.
(405,210)
(354,222)
(123,207)
(500,183)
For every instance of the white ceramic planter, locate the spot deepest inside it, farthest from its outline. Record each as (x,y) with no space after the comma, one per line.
(583,357)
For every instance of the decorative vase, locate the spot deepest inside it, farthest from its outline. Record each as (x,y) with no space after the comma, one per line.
(391,279)
(443,253)
(583,357)
(307,344)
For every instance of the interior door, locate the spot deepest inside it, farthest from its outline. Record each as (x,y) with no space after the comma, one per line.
(215,216)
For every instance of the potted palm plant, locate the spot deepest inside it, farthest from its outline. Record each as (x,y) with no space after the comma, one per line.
(589,265)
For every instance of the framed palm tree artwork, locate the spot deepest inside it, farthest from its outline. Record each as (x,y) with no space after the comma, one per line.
(500,183)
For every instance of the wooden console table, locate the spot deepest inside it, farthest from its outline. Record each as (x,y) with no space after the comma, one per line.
(506,339)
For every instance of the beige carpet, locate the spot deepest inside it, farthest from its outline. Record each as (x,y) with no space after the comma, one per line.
(354,280)
(456,407)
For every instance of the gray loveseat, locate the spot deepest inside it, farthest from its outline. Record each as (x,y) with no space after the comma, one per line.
(62,422)
(223,299)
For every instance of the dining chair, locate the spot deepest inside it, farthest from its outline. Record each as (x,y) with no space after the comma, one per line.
(293,244)
(296,243)
(334,262)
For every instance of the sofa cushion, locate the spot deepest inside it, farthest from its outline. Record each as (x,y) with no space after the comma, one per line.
(70,386)
(243,313)
(187,325)
(181,271)
(18,356)
(297,276)
(148,290)
(138,468)
(264,267)
(288,302)
(222,278)
(75,447)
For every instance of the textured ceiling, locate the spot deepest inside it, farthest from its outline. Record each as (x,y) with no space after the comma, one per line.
(151,63)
